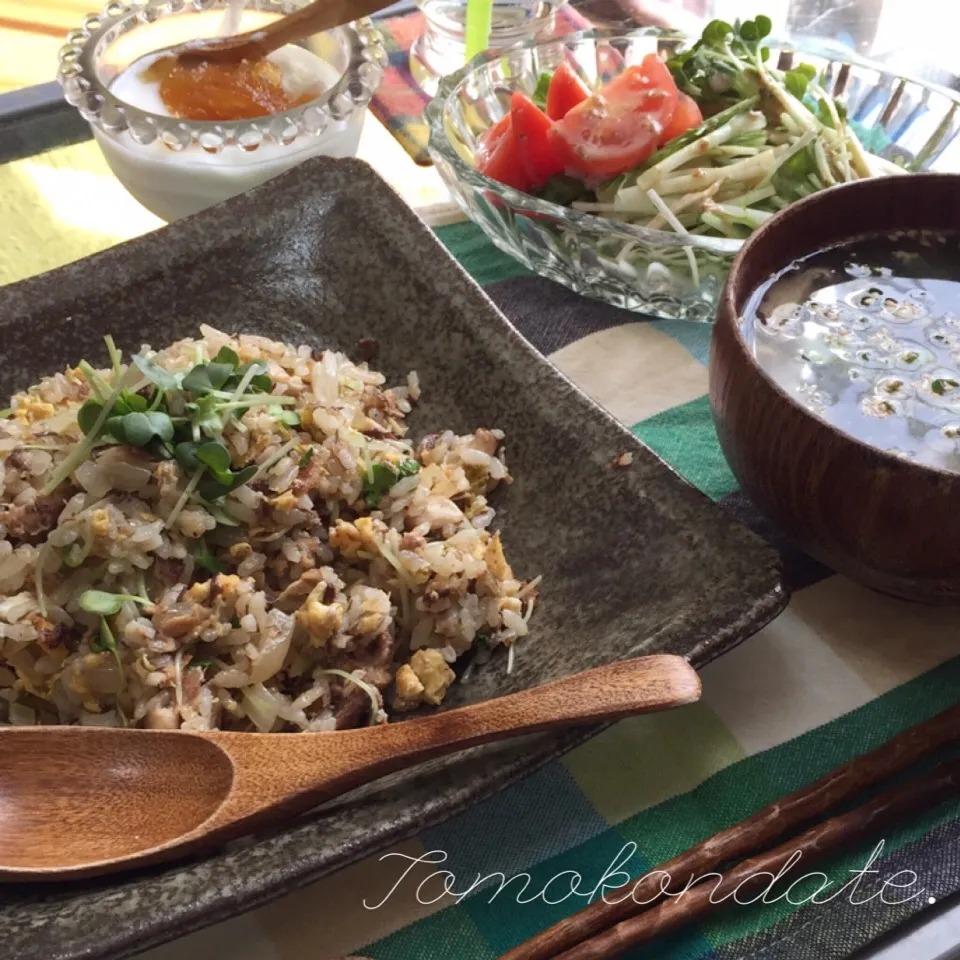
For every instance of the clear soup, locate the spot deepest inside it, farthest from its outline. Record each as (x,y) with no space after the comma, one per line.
(866,336)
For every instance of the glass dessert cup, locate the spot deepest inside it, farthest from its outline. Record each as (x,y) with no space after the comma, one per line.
(176,167)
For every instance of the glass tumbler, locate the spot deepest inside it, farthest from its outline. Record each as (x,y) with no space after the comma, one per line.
(441,49)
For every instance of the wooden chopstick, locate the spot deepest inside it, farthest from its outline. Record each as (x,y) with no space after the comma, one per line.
(824,839)
(747,837)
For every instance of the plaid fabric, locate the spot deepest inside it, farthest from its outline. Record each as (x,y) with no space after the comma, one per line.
(842,670)
(399,102)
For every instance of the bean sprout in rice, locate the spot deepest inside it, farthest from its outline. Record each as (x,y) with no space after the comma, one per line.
(236,533)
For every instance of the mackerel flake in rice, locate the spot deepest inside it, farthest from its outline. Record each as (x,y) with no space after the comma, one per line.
(147,579)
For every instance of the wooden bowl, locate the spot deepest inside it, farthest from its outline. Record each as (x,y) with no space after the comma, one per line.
(886,522)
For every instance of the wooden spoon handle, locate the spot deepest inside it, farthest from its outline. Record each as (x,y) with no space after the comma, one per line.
(605,693)
(286,772)
(314,18)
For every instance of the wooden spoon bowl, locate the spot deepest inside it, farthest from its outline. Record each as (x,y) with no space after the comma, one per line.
(58,784)
(888,523)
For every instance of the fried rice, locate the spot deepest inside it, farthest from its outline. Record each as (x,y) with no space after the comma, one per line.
(331,568)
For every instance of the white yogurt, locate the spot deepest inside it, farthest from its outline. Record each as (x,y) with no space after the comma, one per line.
(231,18)
(175,184)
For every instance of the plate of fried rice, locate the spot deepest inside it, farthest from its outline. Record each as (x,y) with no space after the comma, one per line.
(234,532)
(283,466)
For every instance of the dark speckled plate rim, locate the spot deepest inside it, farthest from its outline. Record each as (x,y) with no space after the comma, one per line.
(125,940)
(124,944)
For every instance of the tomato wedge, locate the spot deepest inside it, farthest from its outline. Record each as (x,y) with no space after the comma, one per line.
(566,90)
(531,130)
(685,117)
(491,137)
(618,127)
(498,157)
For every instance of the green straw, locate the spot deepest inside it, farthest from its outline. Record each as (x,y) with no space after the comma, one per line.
(479,22)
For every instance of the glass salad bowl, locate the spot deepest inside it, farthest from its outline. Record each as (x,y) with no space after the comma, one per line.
(656,271)
(176,167)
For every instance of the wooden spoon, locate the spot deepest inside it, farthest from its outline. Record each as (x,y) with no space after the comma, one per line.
(256,44)
(80,801)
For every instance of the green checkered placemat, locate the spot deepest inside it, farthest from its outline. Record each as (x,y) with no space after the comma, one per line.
(842,670)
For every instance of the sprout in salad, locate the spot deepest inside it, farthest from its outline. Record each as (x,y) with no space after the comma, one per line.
(770,137)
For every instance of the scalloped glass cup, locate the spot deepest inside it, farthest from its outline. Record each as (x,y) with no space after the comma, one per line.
(178,167)
(652,271)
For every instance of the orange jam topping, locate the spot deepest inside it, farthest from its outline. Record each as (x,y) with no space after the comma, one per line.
(221,91)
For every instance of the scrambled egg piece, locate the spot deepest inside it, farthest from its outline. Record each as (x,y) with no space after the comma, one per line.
(227,588)
(424,680)
(321,620)
(496,560)
(240,551)
(75,376)
(345,538)
(100,523)
(351,538)
(409,689)
(228,585)
(285,502)
(30,410)
(364,527)
(199,592)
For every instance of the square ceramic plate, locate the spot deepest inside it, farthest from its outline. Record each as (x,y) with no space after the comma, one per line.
(634,560)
